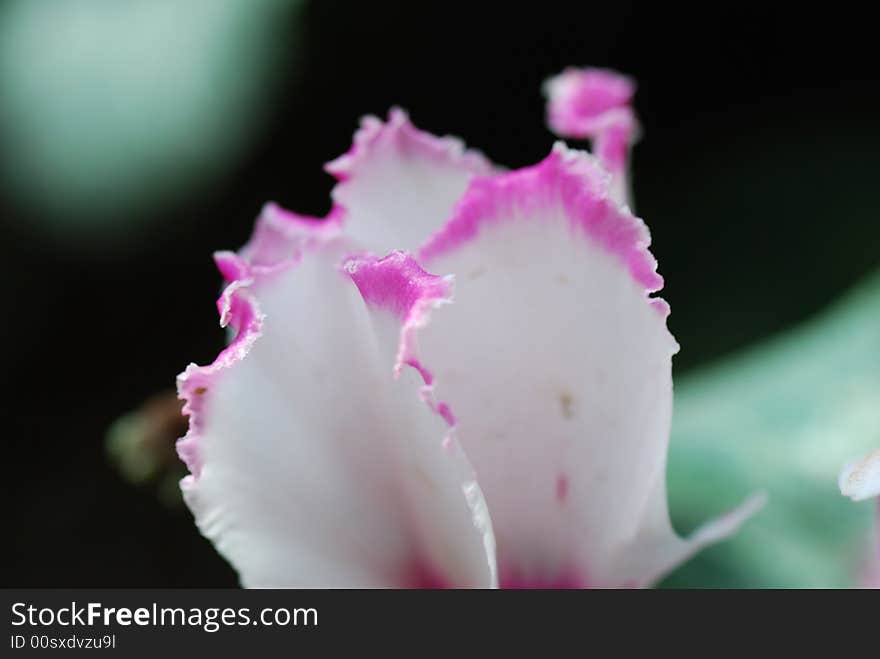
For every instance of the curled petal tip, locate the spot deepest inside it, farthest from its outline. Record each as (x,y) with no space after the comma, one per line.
(583,102)
(595,104)
(397,283)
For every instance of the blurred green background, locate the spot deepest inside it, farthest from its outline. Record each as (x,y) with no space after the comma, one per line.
(136,137)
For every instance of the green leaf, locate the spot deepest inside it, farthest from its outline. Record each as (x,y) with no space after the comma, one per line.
(783,418)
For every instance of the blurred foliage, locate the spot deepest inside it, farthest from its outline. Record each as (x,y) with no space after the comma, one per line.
(110,110)
(782,417)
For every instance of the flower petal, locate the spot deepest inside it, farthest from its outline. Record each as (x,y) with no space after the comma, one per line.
(400,297)
(657,550)
(595,104)
(860,479)
(311,465)
(557,366)
(281,234)
(398,184)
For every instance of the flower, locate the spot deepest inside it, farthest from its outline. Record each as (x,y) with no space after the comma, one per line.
(366,428)
(860,479)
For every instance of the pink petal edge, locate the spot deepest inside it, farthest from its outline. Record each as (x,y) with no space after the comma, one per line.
(239,310)
(581,185)
(281,234)
(397,284)
(409,139)
(279,240)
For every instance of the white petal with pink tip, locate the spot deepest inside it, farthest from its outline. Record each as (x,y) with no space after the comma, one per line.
(398,184)
(557,366)
(312,465)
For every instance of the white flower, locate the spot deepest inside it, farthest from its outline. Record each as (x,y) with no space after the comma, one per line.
(366,427)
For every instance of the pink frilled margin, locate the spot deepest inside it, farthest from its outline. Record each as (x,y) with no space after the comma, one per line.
(240,311)
(280,235)
(568,179)
(280,239)
(397,284)
(448,150)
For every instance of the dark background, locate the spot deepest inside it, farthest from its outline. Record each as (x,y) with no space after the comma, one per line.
(756,176)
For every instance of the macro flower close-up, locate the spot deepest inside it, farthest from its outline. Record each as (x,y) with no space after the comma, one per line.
(489,408)
(308,298)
